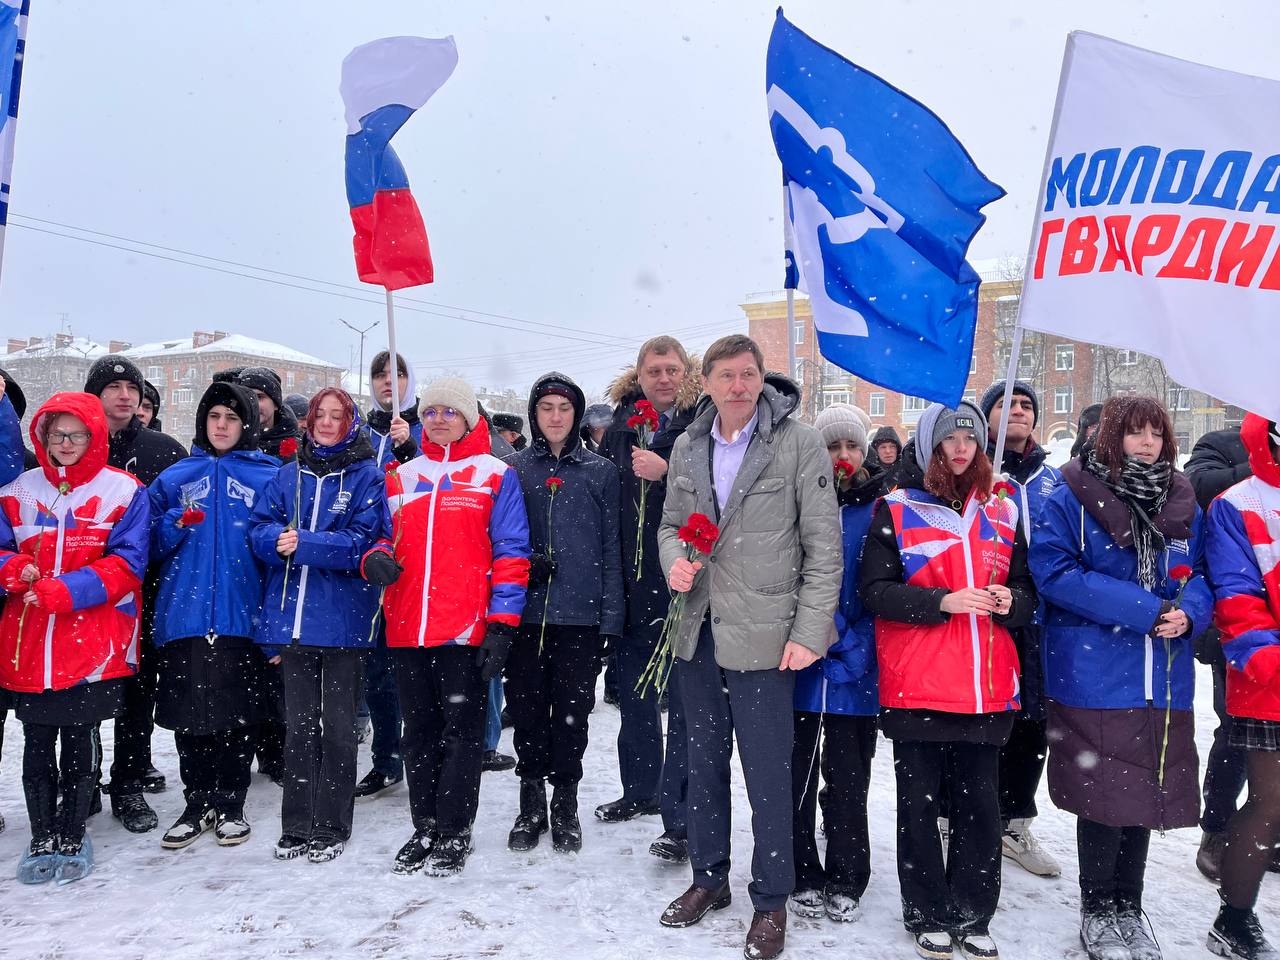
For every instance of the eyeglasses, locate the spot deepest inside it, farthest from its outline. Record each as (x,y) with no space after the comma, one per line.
(77,437)
(447,414)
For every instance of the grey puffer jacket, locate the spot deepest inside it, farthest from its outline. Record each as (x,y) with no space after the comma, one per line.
(774,574)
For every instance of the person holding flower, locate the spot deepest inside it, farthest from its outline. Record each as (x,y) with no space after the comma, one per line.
(758,609)
(944,571)
(574,607)
(73,553)
(210,689)
(461,535)
(1119,677)
(1242,535)
(311,528)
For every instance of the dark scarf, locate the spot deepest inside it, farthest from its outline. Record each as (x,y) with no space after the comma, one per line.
(1143,488)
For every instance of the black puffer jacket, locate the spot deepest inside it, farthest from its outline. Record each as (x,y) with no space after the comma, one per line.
(285,426)
(143,453)
(648,597)
(582,533)
(1218,461)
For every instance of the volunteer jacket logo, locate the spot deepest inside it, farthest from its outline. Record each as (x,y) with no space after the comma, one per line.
(196,491)
(340,502)
(238,491)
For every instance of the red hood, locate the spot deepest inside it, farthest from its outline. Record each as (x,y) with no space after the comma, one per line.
(89,409)
(1253,433)
(472,445)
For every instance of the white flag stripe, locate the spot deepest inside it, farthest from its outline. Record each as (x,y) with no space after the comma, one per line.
(403,70)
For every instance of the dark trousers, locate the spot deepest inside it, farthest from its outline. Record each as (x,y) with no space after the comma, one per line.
(757,707)
(1225,771)
(215,768)
(646,774)
(848,744)
(1021,766)
(269,734)
(384,711)
(44,774)
(493,715)
(1113,863)
(321,686)
(550,697)
(442,699)
(131,744)
(963,894)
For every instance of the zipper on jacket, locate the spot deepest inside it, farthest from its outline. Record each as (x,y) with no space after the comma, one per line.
(431,528)
(302,581)
(973,617)
(48,630)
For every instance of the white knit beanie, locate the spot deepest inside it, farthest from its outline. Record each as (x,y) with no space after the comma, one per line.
(843,421)
(451,392)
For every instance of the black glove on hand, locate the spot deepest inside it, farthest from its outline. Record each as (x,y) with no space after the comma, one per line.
(492,655)
(541,570)
(610,646)
(380,569)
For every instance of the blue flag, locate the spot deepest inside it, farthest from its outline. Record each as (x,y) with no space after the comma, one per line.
(13,24)
(882,203)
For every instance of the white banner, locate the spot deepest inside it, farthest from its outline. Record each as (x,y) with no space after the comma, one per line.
(1156,221)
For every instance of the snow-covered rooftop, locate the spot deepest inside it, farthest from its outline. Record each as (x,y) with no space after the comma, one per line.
(232,343)
(79,347)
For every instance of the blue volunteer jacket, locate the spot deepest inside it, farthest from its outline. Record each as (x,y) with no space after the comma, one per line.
(1098,653)
(846,680)
(343,514)
(11,448)
(210,582)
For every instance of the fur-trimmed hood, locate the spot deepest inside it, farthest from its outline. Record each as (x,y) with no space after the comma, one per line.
(626,388)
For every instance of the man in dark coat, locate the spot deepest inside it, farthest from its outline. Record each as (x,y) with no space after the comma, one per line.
(149,408)
(1086,427)
(118,383)
(1218,461)
(510,427)
(19,400)
(886,446)
(665,376)
(277,422)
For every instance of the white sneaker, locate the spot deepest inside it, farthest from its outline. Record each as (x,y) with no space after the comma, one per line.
(1020,845)
(933,945)
(977,946)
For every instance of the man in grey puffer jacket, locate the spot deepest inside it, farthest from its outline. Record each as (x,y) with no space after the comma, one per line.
(758,609)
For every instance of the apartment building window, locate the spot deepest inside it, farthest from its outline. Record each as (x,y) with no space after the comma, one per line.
(1128,358)
(971,396)
(973,362)
(155,374)
(1179,398)
(877,405)
(1064,356)
(288,379)
(183,396)
(797,332)
(1062,399)
(914,404)
(835,396)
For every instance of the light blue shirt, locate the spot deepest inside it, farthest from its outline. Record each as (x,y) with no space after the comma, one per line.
(726,457)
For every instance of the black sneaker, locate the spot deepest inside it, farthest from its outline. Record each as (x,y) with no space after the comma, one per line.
(289,847)
(1238,934)
(413,855)
(671,847)
(232,829)
(152,781)
(188,827)
(132,810)
(621,810)
(494,761)
(449,855)
(324,849)
(376,784)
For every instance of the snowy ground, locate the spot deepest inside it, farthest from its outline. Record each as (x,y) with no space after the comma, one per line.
(206,901)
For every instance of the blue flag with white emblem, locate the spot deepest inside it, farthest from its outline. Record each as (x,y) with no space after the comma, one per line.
(13,29)
(882,203)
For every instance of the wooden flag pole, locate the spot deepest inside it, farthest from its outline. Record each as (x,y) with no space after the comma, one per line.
(393,360)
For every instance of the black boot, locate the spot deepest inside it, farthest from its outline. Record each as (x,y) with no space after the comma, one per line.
(77,795)
(130,807)
(566,831)
(1238,934)
(42,809)
(531,823)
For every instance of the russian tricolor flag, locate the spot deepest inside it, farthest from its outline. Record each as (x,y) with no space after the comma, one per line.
(383,83)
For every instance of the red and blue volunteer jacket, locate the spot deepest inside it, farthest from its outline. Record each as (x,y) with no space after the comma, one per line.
(462,535)
(86,528)
(1243,553)
(955,664)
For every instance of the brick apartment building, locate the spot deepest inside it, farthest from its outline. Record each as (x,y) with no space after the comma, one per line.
(180,368)
(1068,375)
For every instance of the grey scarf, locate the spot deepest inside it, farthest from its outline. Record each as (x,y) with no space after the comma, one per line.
(1143,488)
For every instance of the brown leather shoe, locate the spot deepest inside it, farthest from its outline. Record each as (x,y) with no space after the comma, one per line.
(767,936)
(692,905)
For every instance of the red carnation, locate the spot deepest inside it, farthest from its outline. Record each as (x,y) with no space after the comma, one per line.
(1181,572)
(1003,489)
(288,447)
(191,517)
(635,422)
(844,470)
(554,484)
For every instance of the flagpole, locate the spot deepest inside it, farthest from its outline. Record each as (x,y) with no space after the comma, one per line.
(1015,350)
(6,161)
(393,359)
(787,245)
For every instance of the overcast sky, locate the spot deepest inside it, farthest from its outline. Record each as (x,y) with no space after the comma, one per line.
(594,175)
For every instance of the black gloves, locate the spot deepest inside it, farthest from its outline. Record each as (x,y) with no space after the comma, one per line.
(493,651)
(609,645)
(541,570)
(380,569)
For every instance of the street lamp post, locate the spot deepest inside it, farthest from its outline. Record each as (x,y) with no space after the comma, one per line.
(362,334)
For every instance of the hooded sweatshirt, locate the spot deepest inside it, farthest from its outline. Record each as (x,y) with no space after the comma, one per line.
(380,425)
(85,527)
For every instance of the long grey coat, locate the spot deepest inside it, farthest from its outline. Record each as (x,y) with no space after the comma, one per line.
(775,573)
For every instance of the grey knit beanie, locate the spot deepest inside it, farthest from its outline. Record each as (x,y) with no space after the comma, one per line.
(937,421)
(841,421)
(451,392)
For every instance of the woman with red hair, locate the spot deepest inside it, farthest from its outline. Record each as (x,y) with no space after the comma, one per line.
(312,526)
(1118,557)
(944,571)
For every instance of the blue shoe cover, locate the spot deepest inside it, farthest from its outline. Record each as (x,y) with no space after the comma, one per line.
(76,866)
(39,866)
